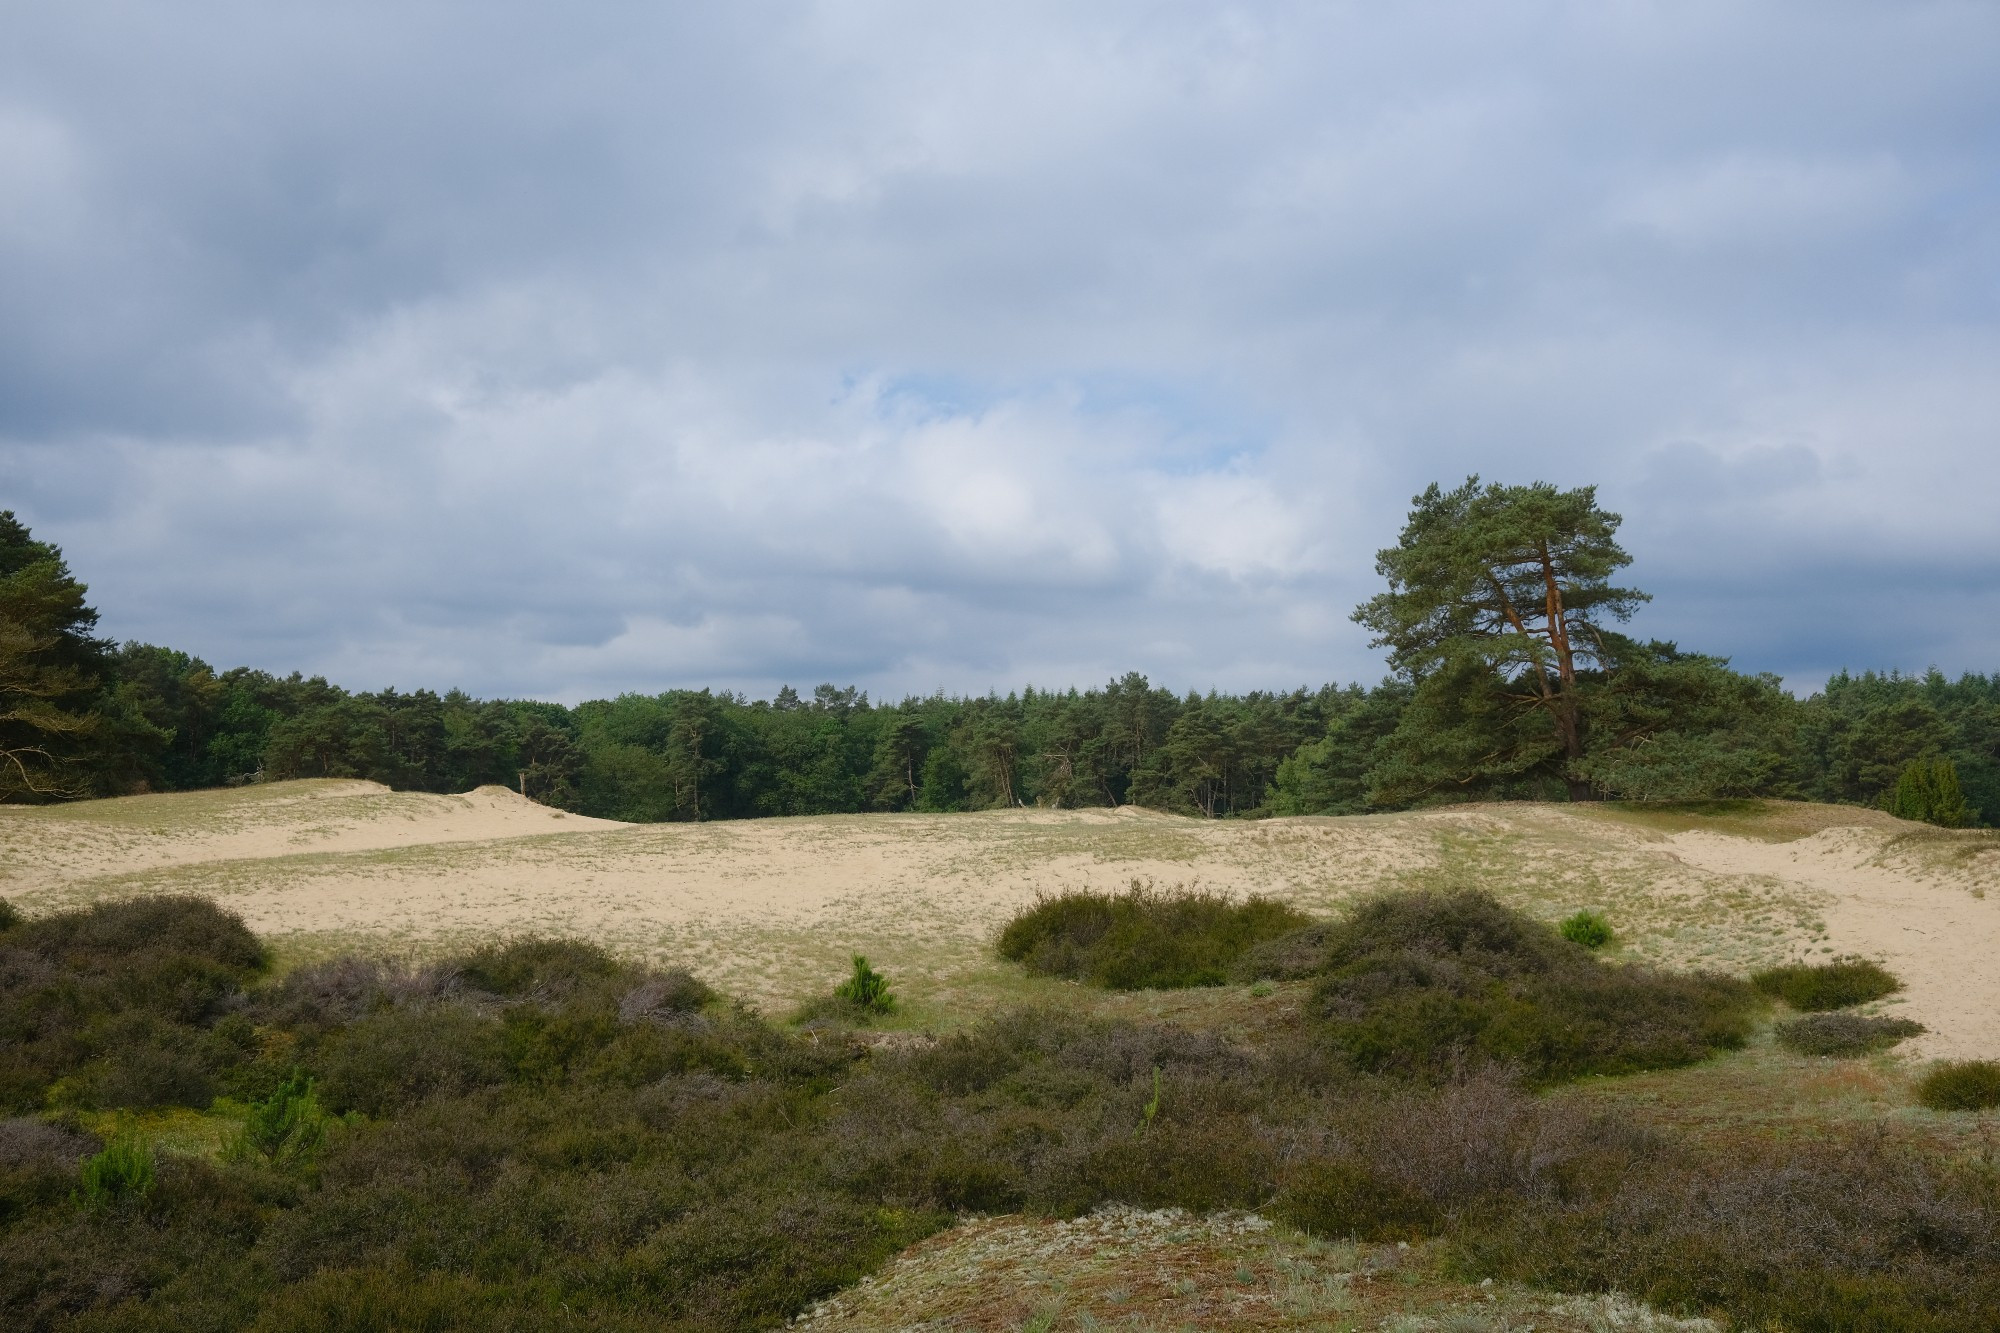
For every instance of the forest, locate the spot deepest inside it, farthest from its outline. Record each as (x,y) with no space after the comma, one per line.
(1500,694)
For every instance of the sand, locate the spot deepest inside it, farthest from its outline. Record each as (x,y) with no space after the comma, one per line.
(771,909)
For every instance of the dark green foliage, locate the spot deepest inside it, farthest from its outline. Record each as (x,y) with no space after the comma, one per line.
(122,1170)
(1842,1035)
(1144,938)
(124,1004)
(1417,983)
(866,989)
(1963,1085)
(1813,987)
(1587,928)
(9,916)
(285,1128)
(1928,790)
(52,667)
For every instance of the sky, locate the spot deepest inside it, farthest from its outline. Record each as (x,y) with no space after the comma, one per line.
(561,351)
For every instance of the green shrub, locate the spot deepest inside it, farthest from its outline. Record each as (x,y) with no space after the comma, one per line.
(1143,939)
(1587,928)
(1963,1085)
(1814,987)
(284,1129)
(9,916)
(1842,1035)
(122,1170)
(1417,983)
(866,989)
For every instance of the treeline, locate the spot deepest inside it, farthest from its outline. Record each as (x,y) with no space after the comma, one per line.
(697,754)
(1508,683)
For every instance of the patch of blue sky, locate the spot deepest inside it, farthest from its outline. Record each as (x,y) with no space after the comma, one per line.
(1198,426)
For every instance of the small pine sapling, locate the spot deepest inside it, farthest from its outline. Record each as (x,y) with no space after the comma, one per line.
(1587,928)
(867,989)
(123,1170)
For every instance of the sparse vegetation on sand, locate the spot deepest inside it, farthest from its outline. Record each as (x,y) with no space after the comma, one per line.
(1145,938)
(537,1130)
(1816,987)
(1842,1035)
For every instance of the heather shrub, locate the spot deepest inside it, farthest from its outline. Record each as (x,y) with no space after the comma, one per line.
(1961,1085)
(1842,1035)
(123,1003)
(1143,938)
(1352,1199)
(538,967)
(1814,987)
(1294,955)
(400,1056)
(1418,983)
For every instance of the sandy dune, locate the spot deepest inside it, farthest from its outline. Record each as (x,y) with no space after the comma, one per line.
(769,909)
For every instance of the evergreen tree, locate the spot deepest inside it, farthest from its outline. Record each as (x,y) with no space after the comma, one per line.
(52,668)
(1497,603)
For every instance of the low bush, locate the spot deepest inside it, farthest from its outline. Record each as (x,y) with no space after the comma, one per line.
(1587,928)
(1144,939)
(1962,1085)
(1418,983)
(1816,987)
(123,1004)
(1842,1035)
(866,989)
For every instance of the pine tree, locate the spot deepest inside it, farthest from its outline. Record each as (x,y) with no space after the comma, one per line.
(51,670)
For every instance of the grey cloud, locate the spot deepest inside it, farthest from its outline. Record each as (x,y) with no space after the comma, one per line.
(560,352)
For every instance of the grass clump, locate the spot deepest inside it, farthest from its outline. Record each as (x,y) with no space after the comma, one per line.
(1844,1035)
(1145,939)
(1817,987)
(1417,983)
(1587,928)
(1961,1085)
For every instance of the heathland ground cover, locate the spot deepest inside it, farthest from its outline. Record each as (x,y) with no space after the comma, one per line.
(449,1074)
(534,1133)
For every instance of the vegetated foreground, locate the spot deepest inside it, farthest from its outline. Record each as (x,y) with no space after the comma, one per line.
(773,910)
(534,1134)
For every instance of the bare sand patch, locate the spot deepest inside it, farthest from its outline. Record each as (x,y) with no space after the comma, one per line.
(1933,926)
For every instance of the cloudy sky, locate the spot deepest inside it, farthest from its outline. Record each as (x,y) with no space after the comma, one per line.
(564,350)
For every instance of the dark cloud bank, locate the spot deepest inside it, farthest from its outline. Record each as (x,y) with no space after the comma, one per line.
(557,353)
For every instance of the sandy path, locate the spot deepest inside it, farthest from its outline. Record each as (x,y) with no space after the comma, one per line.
(1928,928)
